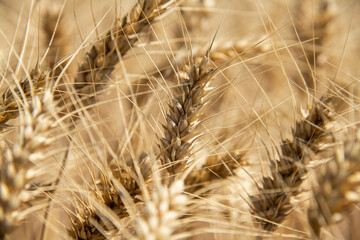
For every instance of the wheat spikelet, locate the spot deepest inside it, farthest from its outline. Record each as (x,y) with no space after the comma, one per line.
(31,140)
(338,187)
(272,204)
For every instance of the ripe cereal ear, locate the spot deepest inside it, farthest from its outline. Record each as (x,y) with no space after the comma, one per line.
(169,119)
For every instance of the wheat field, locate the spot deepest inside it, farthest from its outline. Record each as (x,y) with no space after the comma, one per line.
(179,119)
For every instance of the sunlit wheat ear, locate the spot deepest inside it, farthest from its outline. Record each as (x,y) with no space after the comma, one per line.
(106,53)
(34,84)
(214,169)
(338,188)
(161,213)
(183,116)
(36,122)
(91,222)
(272,204)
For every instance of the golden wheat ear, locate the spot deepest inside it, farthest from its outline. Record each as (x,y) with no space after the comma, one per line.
(25,89)
(35,124)
(106,53)
(313,26)
(272,204)
(338,188)
(183,117)
(216,168)
(161,214)
(91,222)
(56,36)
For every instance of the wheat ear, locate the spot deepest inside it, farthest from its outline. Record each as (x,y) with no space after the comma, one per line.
(161,213)
(85,225)
(272,204)
(338,187)
(244,49)
(183,116)
(318,30)
(31,140)
(104,55)
(56,37)
(216,168)
(9,104)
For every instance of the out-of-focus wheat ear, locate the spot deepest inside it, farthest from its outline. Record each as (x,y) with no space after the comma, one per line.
(272,204)
(90,222)
(32,85)
(338,187)
(56,36)
(161,213)
(246,49)
(36,121)
(183,117)
(86,224)
(313,25)
(105,54)
(195,14)
(216,168)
